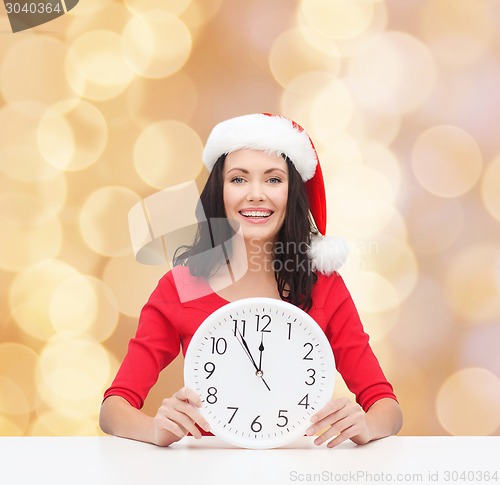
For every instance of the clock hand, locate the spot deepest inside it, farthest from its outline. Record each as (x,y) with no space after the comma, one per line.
(244,344)
(261,349)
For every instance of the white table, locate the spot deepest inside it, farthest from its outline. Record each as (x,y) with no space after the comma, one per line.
(110,460)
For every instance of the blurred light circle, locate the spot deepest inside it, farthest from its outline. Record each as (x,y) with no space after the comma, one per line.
(361,202)
(30,294)
(446,161)
(84,304)
(156,44)
(379,157)
(121,276)
(95,66)
(64,423)
(17,379)
(490,192)
(375,110)
(72,135)
(374,293)
(24,244)
(471,285)
(399,62)
(175,7)
(338,19)
(167,153)
(72,369)
(103,220)
(468,402)
(10,427)
(28,67)
(296,97)
(21,161)
(434,224)
(479,348)
(291,55)
(331,109)
(458,32)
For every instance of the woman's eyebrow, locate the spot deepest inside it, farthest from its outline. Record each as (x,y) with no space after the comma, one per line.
(246,171)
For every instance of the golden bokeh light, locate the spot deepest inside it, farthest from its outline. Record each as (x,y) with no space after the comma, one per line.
(175,7)
(489,188)
(73,368)
(447,161)
(64,423)
(401,63)
(27,71)
(468,402)
(121,276)
(459,32)
(167,153)
(471,284)
(59,132)
(95,66)
(84,305)
(103,220)
(156,44)
(292,55)
(338,19)
(30,294)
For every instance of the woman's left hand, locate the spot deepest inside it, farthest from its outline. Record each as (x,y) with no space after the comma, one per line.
(343,419)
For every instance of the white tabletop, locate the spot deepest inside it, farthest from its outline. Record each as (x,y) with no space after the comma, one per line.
(110,460)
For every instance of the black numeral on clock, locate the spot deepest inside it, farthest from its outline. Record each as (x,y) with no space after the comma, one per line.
(218,345)
(232,415)
(209,369)
(281,415)
(237,327)
(304,401)
(310,346)
(265,320)
(211,397)
(313,380)
(256,426)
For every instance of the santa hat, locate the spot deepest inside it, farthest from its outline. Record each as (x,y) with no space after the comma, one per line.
(280,135)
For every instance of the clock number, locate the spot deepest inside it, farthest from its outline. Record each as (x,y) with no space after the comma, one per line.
(313,373)
(256,426)
(282,416)
(304,401)
(289,330)
(264,317)
(219,345)
(236,329)
(209,369)
(212,398)
(232,416)
(306,357)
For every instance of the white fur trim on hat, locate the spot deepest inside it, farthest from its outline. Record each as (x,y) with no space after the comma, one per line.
(327,253)
(270,133)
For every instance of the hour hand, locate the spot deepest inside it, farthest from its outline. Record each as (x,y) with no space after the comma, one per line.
(261,349)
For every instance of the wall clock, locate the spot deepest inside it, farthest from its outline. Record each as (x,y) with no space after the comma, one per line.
(262,367)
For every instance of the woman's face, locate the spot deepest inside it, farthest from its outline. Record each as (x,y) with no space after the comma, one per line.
(256,193)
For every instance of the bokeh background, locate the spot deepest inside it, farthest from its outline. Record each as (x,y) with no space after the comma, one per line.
(112,103)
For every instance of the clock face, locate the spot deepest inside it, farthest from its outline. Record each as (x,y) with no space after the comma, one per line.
(262,367)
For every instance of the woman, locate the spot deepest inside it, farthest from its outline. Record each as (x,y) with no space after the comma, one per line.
(265,182)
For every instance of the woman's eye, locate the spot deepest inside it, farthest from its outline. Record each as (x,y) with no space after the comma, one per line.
(275,180)
(237,180)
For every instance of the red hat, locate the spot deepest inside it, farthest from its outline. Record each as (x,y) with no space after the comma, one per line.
(280,135)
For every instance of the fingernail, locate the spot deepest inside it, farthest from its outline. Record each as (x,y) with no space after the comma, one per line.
(310,431)
(317,441)
(314,418)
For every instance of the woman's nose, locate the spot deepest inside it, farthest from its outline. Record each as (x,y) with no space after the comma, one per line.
(256,192)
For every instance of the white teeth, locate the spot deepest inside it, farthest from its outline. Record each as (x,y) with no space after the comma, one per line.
(255,214)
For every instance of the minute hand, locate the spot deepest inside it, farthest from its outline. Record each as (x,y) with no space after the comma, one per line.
(244,344)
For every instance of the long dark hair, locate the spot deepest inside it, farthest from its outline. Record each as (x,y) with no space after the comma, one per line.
(291,264)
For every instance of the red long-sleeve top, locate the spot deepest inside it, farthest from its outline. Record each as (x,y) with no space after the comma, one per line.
(180,303)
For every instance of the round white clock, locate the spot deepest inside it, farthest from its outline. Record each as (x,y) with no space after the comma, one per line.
(262,367)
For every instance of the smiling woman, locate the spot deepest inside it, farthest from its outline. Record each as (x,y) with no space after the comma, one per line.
(265,192)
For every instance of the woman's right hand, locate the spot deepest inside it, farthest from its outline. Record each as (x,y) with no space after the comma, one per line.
(178,416)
